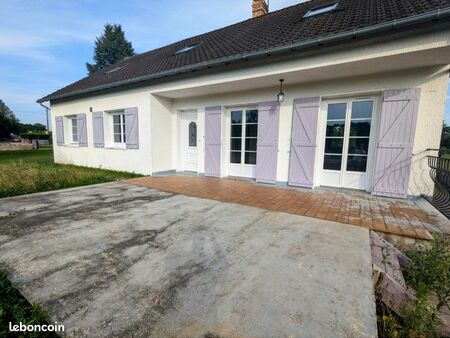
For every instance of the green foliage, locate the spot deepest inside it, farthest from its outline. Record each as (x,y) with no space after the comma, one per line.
(420,321)
(15,308)
(388,324)
(33,128)
(8,121)
(429,275)
(430,272)
(29,171)
(110,48)
(445,139)
(36,136)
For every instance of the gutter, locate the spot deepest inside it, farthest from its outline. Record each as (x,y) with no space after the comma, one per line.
(356,33)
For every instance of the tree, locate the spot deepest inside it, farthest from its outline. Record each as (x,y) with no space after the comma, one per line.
(445,140)
(110,48)
(31,128)
(8,121)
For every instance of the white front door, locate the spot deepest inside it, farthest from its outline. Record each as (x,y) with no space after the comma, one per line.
(243,139)
(190,141)
(347,143)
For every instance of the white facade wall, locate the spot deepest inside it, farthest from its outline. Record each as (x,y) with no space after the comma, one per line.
(159,129)
(429,124)
(132,160)
(163,125)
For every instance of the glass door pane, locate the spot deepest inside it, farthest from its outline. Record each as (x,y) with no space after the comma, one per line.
(358,142)
(236,137)
(251,136)
(334,137)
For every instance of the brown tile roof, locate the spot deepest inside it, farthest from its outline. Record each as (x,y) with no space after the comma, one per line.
(281,28)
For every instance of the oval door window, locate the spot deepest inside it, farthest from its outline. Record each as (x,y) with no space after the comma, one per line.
(192,134)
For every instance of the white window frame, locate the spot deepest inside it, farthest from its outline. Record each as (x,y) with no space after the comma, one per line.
(121,124)
(73,128)
(108,128)
(68,121)
(321,10)
(238,169)
(321,130)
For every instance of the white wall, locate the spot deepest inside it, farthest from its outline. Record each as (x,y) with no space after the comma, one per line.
(432,81)
(132,160)
(361,70)
(163,127)
(159,132)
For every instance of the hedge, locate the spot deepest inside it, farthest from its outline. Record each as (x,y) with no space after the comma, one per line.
(35,136)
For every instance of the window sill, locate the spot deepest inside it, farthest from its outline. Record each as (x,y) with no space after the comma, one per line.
(72,145)
(116,147)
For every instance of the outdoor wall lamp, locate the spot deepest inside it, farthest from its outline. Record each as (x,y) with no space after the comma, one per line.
(280,96)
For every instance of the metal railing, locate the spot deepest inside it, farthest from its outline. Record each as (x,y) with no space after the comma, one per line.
(440,174)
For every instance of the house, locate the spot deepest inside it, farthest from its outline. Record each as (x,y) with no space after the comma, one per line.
(361,105)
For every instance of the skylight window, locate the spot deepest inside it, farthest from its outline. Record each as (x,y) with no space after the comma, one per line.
(321,10)
(115,69)
(186,49)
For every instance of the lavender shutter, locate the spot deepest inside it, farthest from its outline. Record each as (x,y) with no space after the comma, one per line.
(97,126)
(131,128)
(303,141)
(395,142)
(59,130)
(213,140)
(81,129)
(267,145)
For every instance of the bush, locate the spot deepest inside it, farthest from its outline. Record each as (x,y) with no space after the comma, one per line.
(429,275)
(36,136)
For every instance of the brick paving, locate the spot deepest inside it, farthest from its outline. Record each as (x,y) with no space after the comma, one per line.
(399,217)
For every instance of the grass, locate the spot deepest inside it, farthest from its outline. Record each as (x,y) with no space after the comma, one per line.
(15,309)
(429,275)
(29,171)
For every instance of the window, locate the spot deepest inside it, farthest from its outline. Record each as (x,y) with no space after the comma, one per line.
(347,136)
(236,137)
(244,135)
(251,134)
(192,134)
(119,128)
(358,143)
(186,49)
(321,10)
(115,69)
(334,137)
(74,129)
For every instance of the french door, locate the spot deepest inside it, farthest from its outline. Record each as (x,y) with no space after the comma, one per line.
(243,140)
(347,144)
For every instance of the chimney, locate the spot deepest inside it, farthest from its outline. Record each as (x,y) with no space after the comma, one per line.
(259,8)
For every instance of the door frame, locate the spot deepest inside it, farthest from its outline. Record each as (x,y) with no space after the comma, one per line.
(183,138)
(374,130)
(227,135)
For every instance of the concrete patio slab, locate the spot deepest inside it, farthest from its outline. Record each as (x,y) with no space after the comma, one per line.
(126,261)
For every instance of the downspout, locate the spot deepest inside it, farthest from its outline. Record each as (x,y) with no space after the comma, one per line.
(390,25)
(47,109)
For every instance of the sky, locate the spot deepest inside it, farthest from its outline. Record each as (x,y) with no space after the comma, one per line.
(45,44)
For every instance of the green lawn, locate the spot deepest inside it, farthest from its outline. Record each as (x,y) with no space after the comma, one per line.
(15,309)
(29,171)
